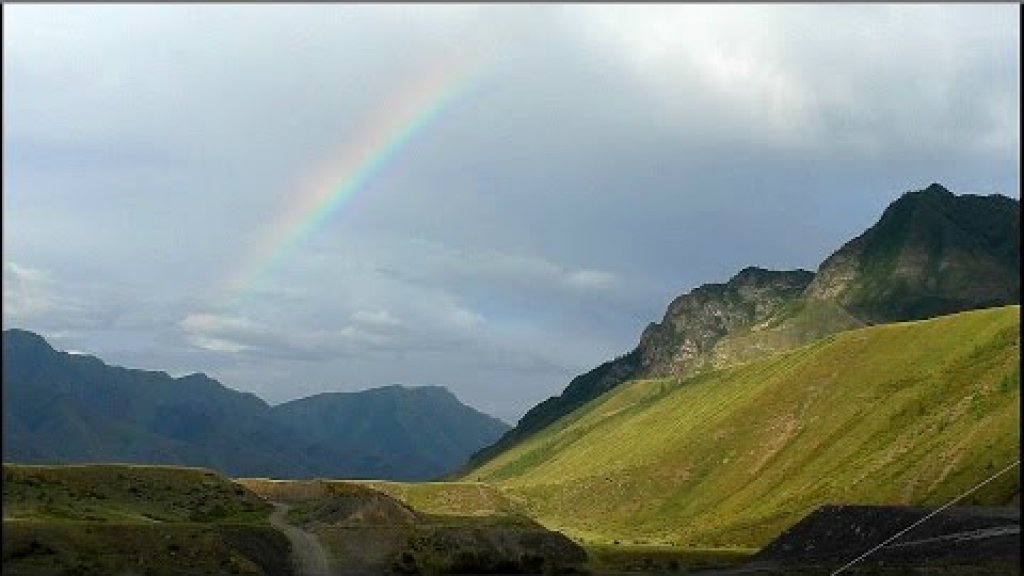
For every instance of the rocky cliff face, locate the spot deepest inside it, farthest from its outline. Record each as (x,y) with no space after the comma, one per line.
(680,345)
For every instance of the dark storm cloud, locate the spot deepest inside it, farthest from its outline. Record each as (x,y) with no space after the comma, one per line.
(607,158)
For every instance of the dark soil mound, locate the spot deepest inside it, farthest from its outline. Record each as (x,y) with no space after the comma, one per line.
(369,508)
(965,537)
(490,550)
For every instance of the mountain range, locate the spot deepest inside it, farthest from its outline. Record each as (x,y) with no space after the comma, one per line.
(931,253)
(68,408)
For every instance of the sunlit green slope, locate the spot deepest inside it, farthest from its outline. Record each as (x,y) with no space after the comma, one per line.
(900,413)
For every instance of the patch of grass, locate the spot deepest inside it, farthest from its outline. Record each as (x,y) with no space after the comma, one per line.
(464,550)
(437,503)
(450,499)
(55,547)
(117,519)
(626,557)
(127,494)
(908,413)
(799,322)
(294,491)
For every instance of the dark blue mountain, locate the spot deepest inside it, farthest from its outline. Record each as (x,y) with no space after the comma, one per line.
(66,408)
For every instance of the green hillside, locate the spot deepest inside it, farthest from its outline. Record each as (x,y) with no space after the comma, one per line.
(795,323)
(123,493)
(120,519)
(908,413)
(449,499)
(431,501)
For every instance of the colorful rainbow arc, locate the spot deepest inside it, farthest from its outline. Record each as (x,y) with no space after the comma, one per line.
(377,146)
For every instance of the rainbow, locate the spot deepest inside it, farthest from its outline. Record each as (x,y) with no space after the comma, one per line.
(380,141)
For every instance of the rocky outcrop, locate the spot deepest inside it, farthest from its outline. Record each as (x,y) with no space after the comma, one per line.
(680,345)
(931,253)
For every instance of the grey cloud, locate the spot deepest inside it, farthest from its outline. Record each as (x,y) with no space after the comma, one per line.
(607,158)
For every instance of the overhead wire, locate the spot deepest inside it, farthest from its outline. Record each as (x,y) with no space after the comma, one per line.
(874,549)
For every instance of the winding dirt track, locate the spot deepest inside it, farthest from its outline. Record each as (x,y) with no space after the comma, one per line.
(309,554)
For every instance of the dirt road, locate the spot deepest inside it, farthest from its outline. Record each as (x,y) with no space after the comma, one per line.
(307,552)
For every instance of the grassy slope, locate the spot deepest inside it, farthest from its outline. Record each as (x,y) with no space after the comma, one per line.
(797,323)
(901,413)
(108,518)
(434,502)
(127,493)
(458,499)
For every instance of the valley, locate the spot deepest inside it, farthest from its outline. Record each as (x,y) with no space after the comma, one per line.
(659,474)
(776,423)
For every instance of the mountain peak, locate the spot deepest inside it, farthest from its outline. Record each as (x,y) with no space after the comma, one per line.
(28,345)
(935,193)
(930,253)
(936,188)
(749,273)
(26,338)
(757,276)
(394,390)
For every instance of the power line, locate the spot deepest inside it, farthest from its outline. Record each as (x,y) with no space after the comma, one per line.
(964,535)
(922,520)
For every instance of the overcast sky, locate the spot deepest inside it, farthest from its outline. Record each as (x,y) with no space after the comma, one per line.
(528,185)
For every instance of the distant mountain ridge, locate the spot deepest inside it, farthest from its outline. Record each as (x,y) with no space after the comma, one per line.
(931,253)
(63,408)
(425,429)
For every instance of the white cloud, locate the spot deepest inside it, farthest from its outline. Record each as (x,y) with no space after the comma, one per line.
(591,279)
(460,317)
(214,323)
(360,337)
(214,344)
(27,292)
(377,318)
(791,76)
(718,64)
(34,299)
(220,333)
(513,270)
